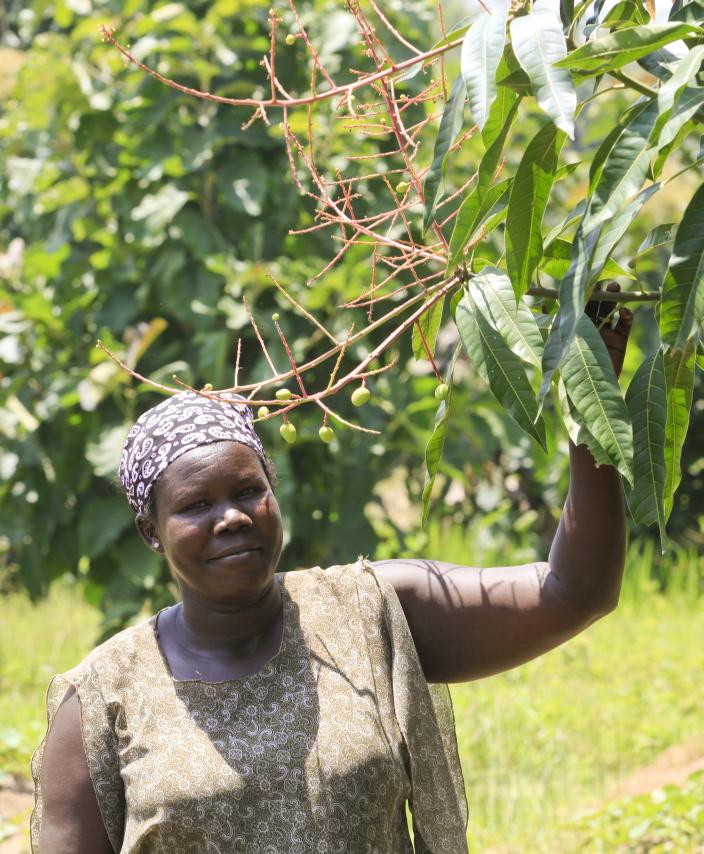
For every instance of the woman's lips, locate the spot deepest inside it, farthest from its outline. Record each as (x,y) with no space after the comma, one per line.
(234,554)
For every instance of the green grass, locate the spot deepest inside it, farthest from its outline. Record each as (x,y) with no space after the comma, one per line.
(542,746)
(37,641)
(545,743)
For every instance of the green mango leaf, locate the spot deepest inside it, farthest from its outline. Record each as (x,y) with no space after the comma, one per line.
(626,13)
(492,294)
(572,297)
(473,212)
(436,443)
(691,13)
(682,307)
(577,429)
(618,49)
(592,387)
(430,324)
(500,367)
(538,43)
(679,383)
(589,255)
(661,235)
(646,400)
(614,229)
(601,154)
(482,49)
(497,126)
(670,91)
(687,106)
(457,31)
(526,206)
(566,222)
(624,169)
(450,126)
(503,112)
(557,256)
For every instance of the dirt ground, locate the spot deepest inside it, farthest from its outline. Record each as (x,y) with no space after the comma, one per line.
(673,766)
(16,802)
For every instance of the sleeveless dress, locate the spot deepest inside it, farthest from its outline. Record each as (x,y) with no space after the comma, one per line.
(319,751)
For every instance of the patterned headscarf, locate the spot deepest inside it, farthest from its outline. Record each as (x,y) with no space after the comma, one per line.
(170,429)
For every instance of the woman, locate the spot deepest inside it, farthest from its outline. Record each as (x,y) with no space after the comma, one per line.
(298,711)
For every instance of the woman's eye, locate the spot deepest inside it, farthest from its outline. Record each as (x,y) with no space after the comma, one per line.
(195,505)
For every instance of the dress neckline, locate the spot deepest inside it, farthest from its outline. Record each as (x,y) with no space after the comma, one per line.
(285,632)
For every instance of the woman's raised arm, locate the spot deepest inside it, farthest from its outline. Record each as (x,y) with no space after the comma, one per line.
(71,819)
(468,622)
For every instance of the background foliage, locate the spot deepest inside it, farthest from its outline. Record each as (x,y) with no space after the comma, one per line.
(139,216)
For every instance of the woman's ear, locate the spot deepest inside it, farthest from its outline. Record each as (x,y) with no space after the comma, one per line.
(149,532)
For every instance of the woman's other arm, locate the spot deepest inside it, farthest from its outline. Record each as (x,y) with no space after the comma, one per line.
(71,820)
(468,622)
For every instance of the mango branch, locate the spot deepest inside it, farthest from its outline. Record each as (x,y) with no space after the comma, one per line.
(336,91)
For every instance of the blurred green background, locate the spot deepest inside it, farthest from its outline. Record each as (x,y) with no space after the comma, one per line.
(140,216)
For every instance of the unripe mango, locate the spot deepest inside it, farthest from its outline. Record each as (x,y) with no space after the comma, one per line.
(327,434)
(360,396)
(442,391)
(283,394)
(288,432)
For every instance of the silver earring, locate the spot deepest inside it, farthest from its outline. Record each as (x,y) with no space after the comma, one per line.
(156,544)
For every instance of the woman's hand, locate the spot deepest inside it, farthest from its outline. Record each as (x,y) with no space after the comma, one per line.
(614,323)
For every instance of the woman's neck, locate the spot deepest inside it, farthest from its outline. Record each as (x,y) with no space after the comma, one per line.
(226,630)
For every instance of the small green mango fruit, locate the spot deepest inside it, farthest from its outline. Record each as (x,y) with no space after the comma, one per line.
(283,394)
(290,40)
(327,434)
(401,187)
(275,317)
(288,431)
(262,412)
(360,396)
(441,391)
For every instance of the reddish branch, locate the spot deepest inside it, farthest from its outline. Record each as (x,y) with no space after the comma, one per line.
(404,271)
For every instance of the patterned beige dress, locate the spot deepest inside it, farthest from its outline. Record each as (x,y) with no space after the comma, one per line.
(317,752)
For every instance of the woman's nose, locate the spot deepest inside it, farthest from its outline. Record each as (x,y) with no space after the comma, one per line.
(231,520)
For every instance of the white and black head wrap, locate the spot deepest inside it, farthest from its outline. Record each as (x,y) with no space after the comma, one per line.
(173,427)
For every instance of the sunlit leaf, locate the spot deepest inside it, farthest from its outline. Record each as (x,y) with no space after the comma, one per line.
(572,294)
(682,308)
(429,324)
(624,168)
(679,382)
(592,387)
(618,49)
(670,91)
(481,53)
(502,369)
(450,126)
(503,113)
(527,203)
(646,400)
(556,261)
(473,212)
(498,124)
(492,294)
(538,43)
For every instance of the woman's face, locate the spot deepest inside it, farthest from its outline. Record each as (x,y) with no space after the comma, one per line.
(218,523)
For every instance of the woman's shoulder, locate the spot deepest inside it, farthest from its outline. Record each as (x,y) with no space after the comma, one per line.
(328,578)
(338,589)
(118,653)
